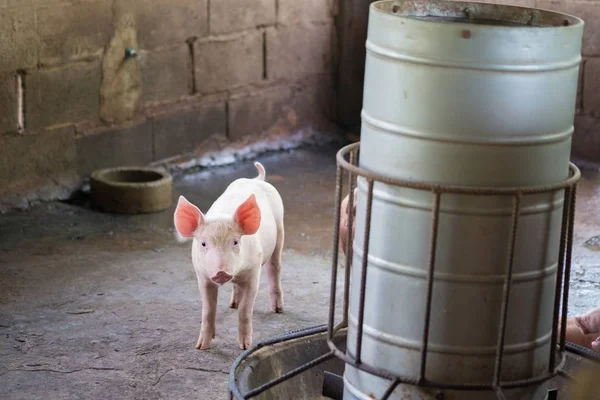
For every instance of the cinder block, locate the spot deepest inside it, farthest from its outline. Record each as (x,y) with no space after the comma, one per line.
(166,75)
(60,95)
(229,63)
(258,113)
(230,15)
(586,139)
(8,103)
(121,86)
(19,42)
(589,11)
(28,160)
(298,51)
(281,110)
(314,102)
(73,31)
(169,22)
(591,86)
(182,132)
(21,3)
(292,11)
(126,146)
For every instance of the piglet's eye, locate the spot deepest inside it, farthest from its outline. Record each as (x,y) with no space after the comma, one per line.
(203,244)
(235,242)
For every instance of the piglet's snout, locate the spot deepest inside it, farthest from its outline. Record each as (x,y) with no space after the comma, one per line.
(221,277)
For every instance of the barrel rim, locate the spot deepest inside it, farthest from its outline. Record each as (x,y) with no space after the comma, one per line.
(567,21)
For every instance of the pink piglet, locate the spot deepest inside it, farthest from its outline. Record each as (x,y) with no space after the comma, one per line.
(242,231)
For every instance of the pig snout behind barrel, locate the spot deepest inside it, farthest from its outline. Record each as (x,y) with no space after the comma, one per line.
(242,231)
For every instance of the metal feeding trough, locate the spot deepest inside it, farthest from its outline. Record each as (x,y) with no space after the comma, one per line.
(460,265)
(299,365)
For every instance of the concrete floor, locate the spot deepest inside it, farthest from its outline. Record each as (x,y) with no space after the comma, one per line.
(104,306)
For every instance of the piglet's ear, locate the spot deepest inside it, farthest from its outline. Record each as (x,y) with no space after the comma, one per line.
(187,218)
(248,216)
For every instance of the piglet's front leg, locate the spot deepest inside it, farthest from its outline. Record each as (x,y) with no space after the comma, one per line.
(246,291)
(208,293)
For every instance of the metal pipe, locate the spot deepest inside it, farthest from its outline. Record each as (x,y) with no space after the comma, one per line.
(336,238)
(363,273)
(506,290)
(437,197)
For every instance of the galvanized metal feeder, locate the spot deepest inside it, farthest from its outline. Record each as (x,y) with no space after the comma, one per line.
(460,264)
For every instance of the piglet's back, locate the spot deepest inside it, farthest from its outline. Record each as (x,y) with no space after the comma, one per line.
(268,199)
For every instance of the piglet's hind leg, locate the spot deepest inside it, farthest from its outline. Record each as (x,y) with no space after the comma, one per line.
(274,275)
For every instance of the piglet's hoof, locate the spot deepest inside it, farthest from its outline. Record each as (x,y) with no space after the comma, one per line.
(277,309)
(276,302)
(204,341)
(245,343)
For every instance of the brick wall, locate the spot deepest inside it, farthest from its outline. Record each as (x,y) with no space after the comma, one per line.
(352,31)
(207,73)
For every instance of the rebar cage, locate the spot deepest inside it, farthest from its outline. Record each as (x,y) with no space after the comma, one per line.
(347,168)
(347,162)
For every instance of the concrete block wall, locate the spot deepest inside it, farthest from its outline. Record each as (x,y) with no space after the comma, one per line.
(207,73)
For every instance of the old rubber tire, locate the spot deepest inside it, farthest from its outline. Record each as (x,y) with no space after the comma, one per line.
(127,190)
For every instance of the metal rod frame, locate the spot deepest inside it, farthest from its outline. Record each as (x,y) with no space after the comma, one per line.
(516,193)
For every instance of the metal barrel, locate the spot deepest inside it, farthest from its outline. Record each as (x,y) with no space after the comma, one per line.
(461,93)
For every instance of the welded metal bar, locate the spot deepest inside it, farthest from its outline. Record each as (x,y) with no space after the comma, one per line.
(350,213)
(567,279)
(349,360)
(390,389)
(574,172)
(582,351)
(289,375)
(559,278)
(363,273)
(430,273)
(340,325)
(334,263)
(566,375)
(507,286)
(349,242)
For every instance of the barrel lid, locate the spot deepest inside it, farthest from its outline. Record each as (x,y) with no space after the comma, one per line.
(498,15)
(474,35)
